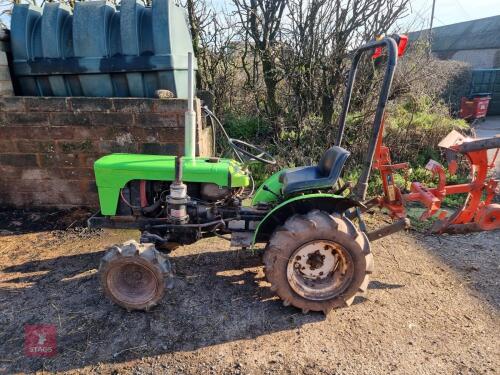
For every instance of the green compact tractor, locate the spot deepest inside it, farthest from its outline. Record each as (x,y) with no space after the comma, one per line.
(316,258)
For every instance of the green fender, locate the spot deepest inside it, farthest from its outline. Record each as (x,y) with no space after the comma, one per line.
(273,183)
(301,204)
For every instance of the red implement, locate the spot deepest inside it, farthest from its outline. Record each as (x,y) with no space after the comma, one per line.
(478,211)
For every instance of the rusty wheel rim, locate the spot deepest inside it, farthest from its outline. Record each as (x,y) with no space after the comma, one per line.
(132,283)
(320,270)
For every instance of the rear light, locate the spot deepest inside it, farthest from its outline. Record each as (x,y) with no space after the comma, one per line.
(401,40)
(402,44)
(378,50)
(377,53)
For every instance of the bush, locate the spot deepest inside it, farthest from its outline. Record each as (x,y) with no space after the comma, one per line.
(304,144)
(247,128)
(419,74)
(415,126)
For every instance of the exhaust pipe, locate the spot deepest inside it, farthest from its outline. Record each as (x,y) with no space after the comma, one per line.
(190,115)
(178,199)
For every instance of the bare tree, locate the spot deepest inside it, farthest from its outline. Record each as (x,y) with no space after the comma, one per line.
(217,60)
(198,14)
(261,23)
(319,38)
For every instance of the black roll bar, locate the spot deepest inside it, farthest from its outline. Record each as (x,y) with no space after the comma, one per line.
(361,187)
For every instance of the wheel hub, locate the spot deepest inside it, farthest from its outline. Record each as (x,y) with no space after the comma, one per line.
(132,283)
(320,270)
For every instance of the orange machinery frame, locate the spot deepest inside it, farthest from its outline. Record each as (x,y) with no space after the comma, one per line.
(478,212)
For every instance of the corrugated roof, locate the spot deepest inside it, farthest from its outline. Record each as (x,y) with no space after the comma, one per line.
(477,34)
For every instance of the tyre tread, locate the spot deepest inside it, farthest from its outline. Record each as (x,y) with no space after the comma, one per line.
(298,230)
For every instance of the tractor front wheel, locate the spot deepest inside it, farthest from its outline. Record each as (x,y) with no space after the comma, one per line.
(135,275)
(318,261)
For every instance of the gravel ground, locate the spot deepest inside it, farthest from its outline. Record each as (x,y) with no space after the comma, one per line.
(432,308)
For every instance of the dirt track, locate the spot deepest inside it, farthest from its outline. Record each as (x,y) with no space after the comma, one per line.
(432,308)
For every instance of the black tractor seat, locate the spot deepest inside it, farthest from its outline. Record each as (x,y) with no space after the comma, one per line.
(322,176)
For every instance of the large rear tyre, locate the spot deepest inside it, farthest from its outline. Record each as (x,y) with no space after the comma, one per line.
(318,261)
(134,275)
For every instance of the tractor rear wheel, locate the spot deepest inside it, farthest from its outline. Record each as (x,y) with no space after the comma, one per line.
(135,275)
(318,261)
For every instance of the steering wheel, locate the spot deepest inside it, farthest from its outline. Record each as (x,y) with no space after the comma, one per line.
(249,150)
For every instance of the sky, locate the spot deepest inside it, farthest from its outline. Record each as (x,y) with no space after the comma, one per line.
(451,11)
(447,11)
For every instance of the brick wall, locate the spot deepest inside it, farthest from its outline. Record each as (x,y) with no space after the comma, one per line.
(48,145)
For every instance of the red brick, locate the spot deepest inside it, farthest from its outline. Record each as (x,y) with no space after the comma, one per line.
(66,195)
(84,132)
(25,118)
(134,105)
(174,135)
(70,147)
(157,120)
(10,172)
(87,161)
(112,119)
(12,104)
(71,173)
(20,132)
(106,133)
(7,145)
(46,192)
(108,147)
(91,104)
(45,104)
(59,160)
(28,185)
(30,145)
(62,132)
(157,134)
(35,174)
(171,105)
(19,160)
(70,119)
(99,133)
